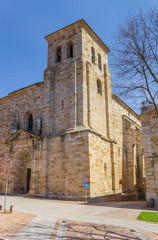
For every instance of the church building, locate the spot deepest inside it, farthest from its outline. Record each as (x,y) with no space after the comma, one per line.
(71,126)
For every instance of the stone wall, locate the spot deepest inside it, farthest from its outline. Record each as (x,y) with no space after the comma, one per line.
(15,107)
(150,145)
(94,102)
(129,153)
(100,166)
(68,164)
(85,130)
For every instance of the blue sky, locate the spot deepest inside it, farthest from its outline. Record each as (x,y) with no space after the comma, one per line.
(24,23)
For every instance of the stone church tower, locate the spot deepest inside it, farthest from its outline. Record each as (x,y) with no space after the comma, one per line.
(71,126)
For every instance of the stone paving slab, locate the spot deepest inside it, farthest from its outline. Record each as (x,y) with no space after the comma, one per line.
(149,235)
(89,231)
(127,214)
(131,224)
(36,229)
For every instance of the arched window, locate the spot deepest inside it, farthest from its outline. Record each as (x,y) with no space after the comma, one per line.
(99,61)
(58,54)
(30,123)
(69,49)
(99,87)
(93,54)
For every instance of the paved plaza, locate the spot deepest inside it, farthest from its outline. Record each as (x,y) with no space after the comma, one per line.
(48,212)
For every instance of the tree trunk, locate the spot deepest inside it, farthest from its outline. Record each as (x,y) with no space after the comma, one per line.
(5,197)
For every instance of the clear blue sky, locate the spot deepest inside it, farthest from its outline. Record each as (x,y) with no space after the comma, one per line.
(24,23)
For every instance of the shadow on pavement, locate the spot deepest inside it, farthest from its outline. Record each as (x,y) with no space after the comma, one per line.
(138,205)
(85,231)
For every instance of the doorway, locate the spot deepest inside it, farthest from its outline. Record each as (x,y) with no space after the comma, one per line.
(22,177)
(28,180)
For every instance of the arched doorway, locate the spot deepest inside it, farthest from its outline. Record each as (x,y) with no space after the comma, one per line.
(22,175)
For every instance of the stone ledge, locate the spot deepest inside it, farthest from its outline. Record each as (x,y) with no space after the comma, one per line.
(83,128)
(119,197)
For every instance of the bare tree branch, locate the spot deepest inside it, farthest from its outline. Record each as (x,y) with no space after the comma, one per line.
(135,56)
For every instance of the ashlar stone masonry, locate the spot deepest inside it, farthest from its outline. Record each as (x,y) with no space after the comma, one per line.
(71,126)
(149,121)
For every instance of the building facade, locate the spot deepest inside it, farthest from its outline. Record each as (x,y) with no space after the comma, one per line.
(149,121)
(71,126)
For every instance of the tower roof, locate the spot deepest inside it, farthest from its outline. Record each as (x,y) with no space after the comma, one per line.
(80,23)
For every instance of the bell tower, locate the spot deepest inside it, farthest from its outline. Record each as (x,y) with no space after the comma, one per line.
(77,81)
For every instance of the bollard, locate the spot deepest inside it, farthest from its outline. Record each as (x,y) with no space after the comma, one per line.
(11,208)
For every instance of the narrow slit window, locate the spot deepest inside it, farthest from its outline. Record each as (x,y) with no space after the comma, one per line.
(69,49)
(30,123)
(58,54)
(99,87)
(62,103)
(99,61)
(93,54)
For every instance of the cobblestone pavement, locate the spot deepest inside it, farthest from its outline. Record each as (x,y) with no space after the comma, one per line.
(112,217)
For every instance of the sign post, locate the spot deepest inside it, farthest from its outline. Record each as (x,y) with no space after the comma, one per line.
(144,183)
(86,185)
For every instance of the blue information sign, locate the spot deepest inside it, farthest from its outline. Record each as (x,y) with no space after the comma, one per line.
(144,180)
(86,185)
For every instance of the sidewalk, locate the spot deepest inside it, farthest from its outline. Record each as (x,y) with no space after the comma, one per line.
(110,214)
(36,229)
